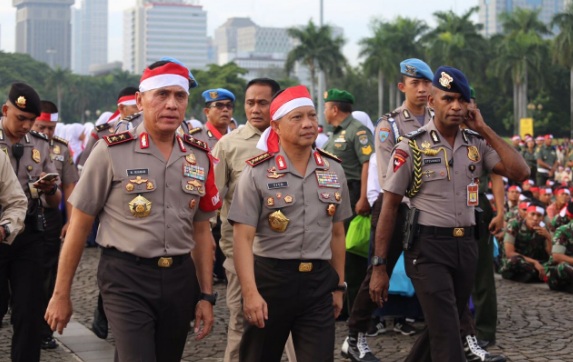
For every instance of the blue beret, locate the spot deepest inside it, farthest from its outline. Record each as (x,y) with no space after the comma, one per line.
(219,94)
(415,68)
(450,79)
(192,81)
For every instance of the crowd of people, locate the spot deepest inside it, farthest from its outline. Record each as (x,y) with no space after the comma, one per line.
(177,204)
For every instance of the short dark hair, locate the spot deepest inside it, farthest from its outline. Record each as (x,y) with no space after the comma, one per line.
(273,84)
(48,107)
(344,107)
(127,91)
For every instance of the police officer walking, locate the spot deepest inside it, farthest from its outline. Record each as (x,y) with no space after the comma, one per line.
(21,262)
(288,211)
(437,167)
(219,105)
(154,193)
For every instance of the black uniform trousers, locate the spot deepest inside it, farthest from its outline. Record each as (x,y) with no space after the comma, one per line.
(299,303)
(442,269)
(21,267)
(149,308)
(363,306)
(51,253)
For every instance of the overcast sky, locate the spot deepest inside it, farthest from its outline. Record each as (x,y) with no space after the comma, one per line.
(352,15)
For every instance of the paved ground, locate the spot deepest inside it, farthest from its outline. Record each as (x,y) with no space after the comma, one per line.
(535,324)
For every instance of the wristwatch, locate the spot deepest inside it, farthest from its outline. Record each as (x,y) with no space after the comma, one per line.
(378,260)
(211,298)
(341,288)
(6,231)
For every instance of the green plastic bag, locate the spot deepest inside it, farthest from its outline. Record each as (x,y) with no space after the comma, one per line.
(358,236)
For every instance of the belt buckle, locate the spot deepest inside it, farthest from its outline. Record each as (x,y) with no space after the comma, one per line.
(305,267)
(165,262)
(458,232)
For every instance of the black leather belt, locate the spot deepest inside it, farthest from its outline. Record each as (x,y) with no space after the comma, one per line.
(159,262)
(299,265)
(451,232)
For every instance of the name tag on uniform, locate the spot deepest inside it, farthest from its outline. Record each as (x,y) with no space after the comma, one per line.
(138,172)
(327,179)
(194,171)
(58,158)
(277,185)
(428,161)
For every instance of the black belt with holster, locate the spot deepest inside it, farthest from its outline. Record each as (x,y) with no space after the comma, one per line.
(298,265)
(451,232)
(158,262)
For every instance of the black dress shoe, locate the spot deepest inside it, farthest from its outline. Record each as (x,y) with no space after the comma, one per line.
(99,325)
(49,343)
(484,343)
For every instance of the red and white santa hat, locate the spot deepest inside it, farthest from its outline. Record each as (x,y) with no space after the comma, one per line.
(168,74)
(288,100)
(47,117)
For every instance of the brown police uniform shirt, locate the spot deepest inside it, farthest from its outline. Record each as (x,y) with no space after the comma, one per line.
(12,198)
(207,136)
(60,154)
(35,160)
(389,128)
(442,202)
(273,185)
(146,205)
(232,151)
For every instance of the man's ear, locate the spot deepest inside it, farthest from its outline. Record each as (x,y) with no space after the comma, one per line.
(138,98)
(401,87)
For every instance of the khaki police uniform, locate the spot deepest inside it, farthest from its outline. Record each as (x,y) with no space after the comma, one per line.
(13,200)
(146,207)
(549,156)
(293,215)
(443,259)
(232,152)
(21,262)
(208,136)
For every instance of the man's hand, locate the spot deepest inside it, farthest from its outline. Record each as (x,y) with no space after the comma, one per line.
(203,319)
(64,231)
(255,309)
(362,207)
(496,224)
(45,185)
(337,302)
(379,283)
(540,269)
(474,119)
(58,313)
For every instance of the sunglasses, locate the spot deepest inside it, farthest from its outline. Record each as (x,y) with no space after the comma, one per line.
(221,106)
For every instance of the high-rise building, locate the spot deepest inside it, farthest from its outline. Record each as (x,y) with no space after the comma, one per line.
(157,28)
(490,11)
(43,30)
(89,38)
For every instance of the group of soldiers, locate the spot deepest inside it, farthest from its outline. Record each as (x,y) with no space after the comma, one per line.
(279,209)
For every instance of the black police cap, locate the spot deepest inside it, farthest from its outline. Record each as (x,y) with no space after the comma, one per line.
(25,98)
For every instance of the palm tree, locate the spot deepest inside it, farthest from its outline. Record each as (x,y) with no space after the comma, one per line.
(317,49)
(519,54)
(563,48)
(57,79)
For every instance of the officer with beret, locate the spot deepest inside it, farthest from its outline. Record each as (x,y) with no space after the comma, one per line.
(154,192)
(21,262)
(219,105)
(287,212)
(353,143)
(55,229)
(437,168)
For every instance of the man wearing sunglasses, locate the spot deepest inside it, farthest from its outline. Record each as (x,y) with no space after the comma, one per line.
(219,105)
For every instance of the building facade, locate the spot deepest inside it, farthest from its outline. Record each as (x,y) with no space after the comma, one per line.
(43,30)
(175,28)
(90,34)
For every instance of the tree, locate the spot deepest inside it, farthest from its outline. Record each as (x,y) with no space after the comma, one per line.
(317,49)
(57,79)
(562,49)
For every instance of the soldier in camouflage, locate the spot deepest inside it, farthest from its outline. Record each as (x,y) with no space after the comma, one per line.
(559,269)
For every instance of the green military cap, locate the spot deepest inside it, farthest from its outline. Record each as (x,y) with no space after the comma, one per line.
(337,95)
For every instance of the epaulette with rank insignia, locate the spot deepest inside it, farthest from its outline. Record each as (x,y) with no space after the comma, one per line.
(196,143)
(116,139)
(472,133)
(39,135)
(131,117)
(194,130)
(61,140)
(387,116)
(415,134)
(102,127)
(329,155)
(259,159)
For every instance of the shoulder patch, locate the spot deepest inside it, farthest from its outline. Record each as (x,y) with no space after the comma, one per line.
(116,139)
(472,133)
(61,140)
(102,127)
(258,159)
(415,134)
(194,130)
(131,117)
(329,155)
(196,143)
(39,135)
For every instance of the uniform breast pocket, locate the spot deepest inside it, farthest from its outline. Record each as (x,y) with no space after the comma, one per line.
(138,194)
(329,200)
(278,200)
(341,146)
(434,172)
(193,190)
(473,171)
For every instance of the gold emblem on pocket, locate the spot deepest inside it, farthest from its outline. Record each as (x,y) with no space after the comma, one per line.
(36,155)
(331,210)
(473,153)
(129,187)
(140,207)
(278,221)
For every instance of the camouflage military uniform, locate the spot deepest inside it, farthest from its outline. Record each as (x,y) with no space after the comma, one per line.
(512,213)
(560,275)
(549,156)
(558,221)
(526,242)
